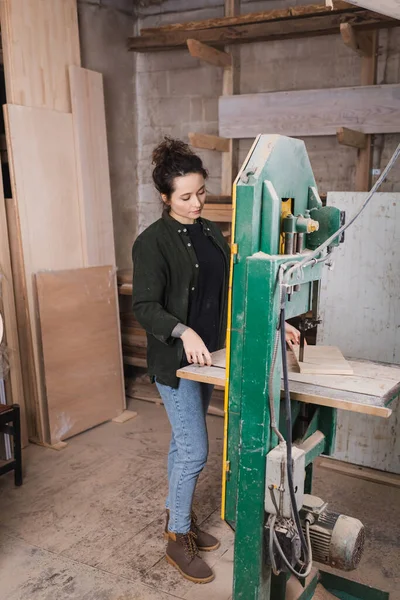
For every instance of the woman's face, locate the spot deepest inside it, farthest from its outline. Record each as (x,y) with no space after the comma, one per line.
(187,199)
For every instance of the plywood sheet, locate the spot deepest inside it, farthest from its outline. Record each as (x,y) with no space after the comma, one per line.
(79,327)
(40,40)
(370,109)
(23,322)
(7,302)
(92,166)
(45,190)
(323,360)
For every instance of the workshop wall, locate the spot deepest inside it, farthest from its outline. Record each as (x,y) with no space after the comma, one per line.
(177,94)
(104,27)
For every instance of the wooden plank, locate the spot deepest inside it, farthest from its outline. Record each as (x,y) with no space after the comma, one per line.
(371,388)
(321,24)
(324,360)
(135,362)
(370,109)
(350,470)
(219,199)
(45,189)
(390,8)
(125,289)
(125,416)
(256,17)
(209,142)
(214,375)
(359,42)
(208,54)
(368,77)
(40,40)
(10,333)
(81,351)
(23,322)
(221,213)
(90,135)
(349,137)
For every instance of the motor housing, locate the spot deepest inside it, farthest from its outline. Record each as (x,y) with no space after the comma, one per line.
(336,540)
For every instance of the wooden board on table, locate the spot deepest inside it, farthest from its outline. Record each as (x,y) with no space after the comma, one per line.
(45,193)
(370,378)
(40,40)
(88,112)
(7,301)
(81,351)
(370,390)
(369,109)
(213,375)
(323,360)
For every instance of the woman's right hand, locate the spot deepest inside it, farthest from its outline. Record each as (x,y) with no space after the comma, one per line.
(195,348)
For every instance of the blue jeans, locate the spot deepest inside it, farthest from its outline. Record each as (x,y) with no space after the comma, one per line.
(186,407)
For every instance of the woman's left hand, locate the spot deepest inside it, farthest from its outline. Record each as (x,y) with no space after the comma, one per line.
(292,335)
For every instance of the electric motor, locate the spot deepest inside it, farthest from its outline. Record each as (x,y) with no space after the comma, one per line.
(336,540)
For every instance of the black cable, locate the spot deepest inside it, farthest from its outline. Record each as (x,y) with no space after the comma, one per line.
(288,414)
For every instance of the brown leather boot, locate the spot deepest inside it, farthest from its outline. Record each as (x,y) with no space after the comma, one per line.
(204,541)
(182,553)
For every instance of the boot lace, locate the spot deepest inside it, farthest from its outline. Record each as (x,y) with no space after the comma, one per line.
(189,544)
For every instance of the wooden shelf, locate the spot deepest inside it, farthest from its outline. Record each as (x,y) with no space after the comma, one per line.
(304,21)
(220,213)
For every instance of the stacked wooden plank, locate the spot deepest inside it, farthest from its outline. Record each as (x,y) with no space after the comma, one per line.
(133,336)
(59,218)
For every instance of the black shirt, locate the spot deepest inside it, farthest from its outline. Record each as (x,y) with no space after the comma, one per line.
(205,299)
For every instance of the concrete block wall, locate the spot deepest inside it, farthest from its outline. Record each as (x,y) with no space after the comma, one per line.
(176,94)
(170,93)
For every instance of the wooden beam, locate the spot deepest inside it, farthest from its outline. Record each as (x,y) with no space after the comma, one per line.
(359,472)
(368,78)
(292,27)
(231,85)
(311,112)
(208,54)
(232,20)
(350,137)
(209,142)
(357,41)
(391,8)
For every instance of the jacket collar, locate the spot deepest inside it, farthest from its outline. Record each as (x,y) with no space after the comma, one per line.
(180,227)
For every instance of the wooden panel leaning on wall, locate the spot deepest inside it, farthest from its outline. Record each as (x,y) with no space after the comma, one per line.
(81,348)
(40,40)
(45,201)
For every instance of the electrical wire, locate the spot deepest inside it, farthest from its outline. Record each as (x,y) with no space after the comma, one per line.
(374,189)
(285,560)
(288,414)
(271,544)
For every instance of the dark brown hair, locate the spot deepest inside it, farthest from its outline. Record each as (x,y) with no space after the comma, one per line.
(173,158)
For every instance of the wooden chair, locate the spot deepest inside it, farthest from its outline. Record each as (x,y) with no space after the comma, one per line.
(10,423)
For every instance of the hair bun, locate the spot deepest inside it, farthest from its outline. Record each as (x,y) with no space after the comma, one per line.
(169,150)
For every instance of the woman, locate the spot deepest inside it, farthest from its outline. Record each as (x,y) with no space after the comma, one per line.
(180,282)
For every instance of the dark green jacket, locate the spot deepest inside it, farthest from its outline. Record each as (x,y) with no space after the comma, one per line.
(164,272)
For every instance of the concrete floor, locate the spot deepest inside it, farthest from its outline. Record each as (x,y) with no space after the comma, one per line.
(87,523)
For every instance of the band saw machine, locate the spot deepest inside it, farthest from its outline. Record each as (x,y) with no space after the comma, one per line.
(275,424)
